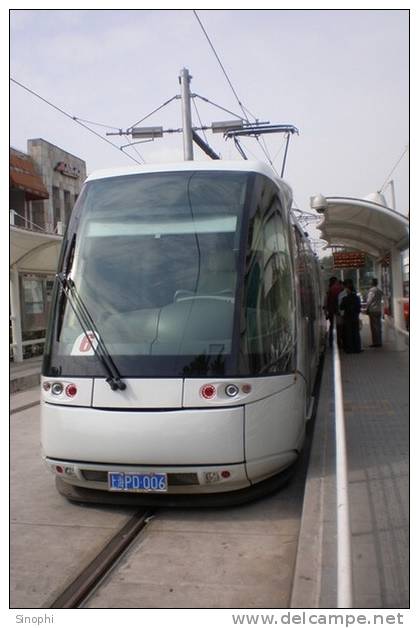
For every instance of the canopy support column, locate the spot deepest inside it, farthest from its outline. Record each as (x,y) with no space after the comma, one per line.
(16,318)
(397,294)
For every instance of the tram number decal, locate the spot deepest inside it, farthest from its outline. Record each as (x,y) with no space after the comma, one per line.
(85,344)
(138,482)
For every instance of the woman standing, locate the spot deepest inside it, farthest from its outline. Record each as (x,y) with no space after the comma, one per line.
(351,307)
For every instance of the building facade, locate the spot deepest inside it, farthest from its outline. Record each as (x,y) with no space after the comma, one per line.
(44,185)
(62,174)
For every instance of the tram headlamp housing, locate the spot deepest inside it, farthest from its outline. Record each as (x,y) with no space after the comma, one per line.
(231,390)
(57,388)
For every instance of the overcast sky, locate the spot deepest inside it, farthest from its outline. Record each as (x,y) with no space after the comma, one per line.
(340,76)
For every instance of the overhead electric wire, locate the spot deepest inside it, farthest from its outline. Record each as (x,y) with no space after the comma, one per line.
(280,149)
(154,111)
(394,167)
(105,126)
(199,119)
(266,151)
(210,102)
(261,141)
(74,118)
(249,112)
(132,145)
(221,65)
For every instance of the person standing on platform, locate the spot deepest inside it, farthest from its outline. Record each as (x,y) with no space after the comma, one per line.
(374,300)
(331,305)
(350,308)
(339,316)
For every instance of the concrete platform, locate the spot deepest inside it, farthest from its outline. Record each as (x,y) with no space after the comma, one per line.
(25,375)
(376,400)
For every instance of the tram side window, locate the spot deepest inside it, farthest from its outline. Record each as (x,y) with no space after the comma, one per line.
(267,334)
(305,277)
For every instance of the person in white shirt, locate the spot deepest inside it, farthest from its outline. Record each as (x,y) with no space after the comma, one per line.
(374,300)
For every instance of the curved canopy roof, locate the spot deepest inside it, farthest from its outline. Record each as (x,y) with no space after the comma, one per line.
(33,251)
(364,224)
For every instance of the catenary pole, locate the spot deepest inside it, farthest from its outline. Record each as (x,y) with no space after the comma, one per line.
(184,80)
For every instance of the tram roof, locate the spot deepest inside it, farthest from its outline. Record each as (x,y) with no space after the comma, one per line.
(364,224)
(183,166)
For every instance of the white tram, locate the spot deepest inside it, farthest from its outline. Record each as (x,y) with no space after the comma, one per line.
(185,334)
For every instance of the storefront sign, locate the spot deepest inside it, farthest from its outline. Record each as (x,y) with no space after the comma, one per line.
(67,170)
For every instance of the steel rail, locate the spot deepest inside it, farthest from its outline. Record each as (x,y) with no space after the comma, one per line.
(344,553)
(81,587)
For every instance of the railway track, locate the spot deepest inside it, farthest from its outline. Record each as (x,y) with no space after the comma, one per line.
(78,591)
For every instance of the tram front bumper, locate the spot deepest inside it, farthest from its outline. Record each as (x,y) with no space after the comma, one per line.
(180,480)
(219,496)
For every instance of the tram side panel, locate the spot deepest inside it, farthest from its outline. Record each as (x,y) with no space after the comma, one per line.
(309,312)
(274,431)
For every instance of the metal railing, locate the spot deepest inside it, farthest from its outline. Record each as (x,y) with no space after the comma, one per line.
(28,343)
(24,343)
(344,553)
(59,228)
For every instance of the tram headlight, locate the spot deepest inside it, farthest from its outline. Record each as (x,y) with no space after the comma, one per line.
(231,390)
(57,388)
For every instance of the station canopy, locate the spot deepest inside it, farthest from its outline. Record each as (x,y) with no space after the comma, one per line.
(34,252)
(364,224)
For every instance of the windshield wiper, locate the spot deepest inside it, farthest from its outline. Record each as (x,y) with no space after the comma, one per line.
(87,324)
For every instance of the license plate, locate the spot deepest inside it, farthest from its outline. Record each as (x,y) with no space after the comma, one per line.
(138,482)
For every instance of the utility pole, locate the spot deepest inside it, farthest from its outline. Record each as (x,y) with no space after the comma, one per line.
(231,129)
(184,80)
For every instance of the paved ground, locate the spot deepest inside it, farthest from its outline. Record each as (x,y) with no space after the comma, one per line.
(239,557)
(376,394)
(50,539)
(377,411)
(25,375)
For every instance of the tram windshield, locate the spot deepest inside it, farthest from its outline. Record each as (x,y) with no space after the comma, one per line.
(156,262)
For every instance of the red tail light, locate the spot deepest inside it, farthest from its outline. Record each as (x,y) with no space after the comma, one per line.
(71,390)
(208,391)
